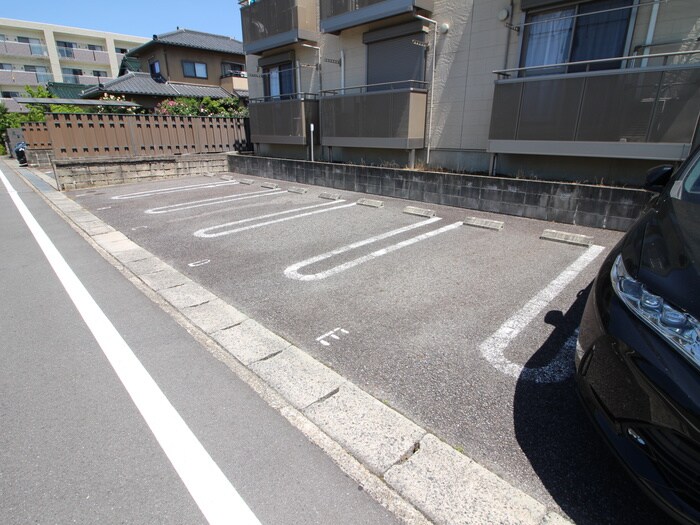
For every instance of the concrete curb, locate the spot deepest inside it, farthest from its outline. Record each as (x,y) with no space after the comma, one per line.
(400,464)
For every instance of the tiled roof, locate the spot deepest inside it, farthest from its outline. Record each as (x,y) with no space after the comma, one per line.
(65,90)
(143,84)
(195,39)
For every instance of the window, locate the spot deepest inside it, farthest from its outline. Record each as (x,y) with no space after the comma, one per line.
(71,75)
(194,69)
(35,46)
(95,47)
(154,68)
(5,67)
(2,38)
(279,80)
(99,73)
(10,94)
(42,73)
(65,49)
(575,34)
(122,50)
(231,69)
(396,56)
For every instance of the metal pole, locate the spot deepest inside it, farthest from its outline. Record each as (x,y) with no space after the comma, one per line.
(432,85)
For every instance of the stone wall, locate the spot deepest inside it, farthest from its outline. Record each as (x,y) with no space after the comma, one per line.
(587,205)
(86,173)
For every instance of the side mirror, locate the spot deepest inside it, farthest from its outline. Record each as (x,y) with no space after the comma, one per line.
(658,177)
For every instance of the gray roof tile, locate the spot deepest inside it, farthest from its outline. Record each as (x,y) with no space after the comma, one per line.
(195,39)
(142,84)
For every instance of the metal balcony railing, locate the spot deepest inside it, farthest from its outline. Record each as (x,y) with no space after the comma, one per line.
(283,120)
(633,112)
(269,24)
(21,49)
(337,15)
(87,80)
(24,78)
(85,56)
(390,115)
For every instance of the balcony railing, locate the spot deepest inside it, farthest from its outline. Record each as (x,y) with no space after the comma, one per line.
(21,49)
(337,15)
(268,24)
(275,120)
(388,116)
(636,112)
(84,56)
(24,78)
(87,80)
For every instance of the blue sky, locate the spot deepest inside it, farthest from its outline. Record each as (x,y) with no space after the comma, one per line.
(130,17)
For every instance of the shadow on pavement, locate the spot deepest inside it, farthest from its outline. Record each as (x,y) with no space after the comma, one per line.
(571,460)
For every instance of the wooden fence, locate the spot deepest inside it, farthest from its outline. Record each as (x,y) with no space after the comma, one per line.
(81,135)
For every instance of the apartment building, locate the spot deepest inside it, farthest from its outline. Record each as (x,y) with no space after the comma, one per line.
(594,90)
(33,53)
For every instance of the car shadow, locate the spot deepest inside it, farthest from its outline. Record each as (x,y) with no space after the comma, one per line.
(554,432)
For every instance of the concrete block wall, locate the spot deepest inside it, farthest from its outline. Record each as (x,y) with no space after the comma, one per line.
(587,205)
(87,173)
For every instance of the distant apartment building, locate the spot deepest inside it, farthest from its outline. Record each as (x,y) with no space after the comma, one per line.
(33,53)
(580,90)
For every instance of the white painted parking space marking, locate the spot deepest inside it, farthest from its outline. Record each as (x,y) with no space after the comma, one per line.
(162,191)
(558,369)
(139,228)
(293,271)
(206,232)
(211,490)
(199,263)
(212,201)
(333,334)
(104,208)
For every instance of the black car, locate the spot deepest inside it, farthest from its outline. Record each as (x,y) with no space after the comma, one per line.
(638,357)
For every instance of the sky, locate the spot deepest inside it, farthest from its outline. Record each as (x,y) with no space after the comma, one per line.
(131,17)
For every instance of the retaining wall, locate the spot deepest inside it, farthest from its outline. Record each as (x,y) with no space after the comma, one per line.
(586,205)
(85,173)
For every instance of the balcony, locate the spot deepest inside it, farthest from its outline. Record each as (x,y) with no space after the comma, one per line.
(24,78)
(390,116)
(276,121)
(86,80)
(84,56)
(20,49)
(269,24)
(337,15)
(643,113)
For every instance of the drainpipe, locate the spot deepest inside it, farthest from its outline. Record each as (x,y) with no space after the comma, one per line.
(432,82)
(342,71)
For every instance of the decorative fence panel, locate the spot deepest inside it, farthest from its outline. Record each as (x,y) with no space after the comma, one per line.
(81,135)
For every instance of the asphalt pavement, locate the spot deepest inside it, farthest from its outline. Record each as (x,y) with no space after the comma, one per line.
(409,308)
(78,447)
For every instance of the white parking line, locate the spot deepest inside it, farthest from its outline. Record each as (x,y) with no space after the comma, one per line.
(208,485)
(293,271)
(191,187)
(494,347)
(204,232)
(212,201)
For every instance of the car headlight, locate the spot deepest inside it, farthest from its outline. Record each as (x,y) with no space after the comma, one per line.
(681,330)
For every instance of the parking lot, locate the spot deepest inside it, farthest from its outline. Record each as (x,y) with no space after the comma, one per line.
(468,331)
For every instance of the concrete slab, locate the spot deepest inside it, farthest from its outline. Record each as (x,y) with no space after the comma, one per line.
(301,379)
(250,342)
(214,316)
(164,279)
(135,254)
(189,294)
(372,432)
(451,489)
(146,266)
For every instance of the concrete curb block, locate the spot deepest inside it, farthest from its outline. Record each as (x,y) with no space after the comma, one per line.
(374,433)
(453,490)
(567,238)
(418,470)
(298,377)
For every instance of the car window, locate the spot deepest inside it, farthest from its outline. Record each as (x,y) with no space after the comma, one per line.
(687,186)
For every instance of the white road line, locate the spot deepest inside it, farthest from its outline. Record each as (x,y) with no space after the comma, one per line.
(212,201)
(204,232)
(209,487)
(293,271)
(161,191)
(494,347)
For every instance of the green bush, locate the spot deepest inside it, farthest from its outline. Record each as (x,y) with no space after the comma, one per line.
(206,107)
